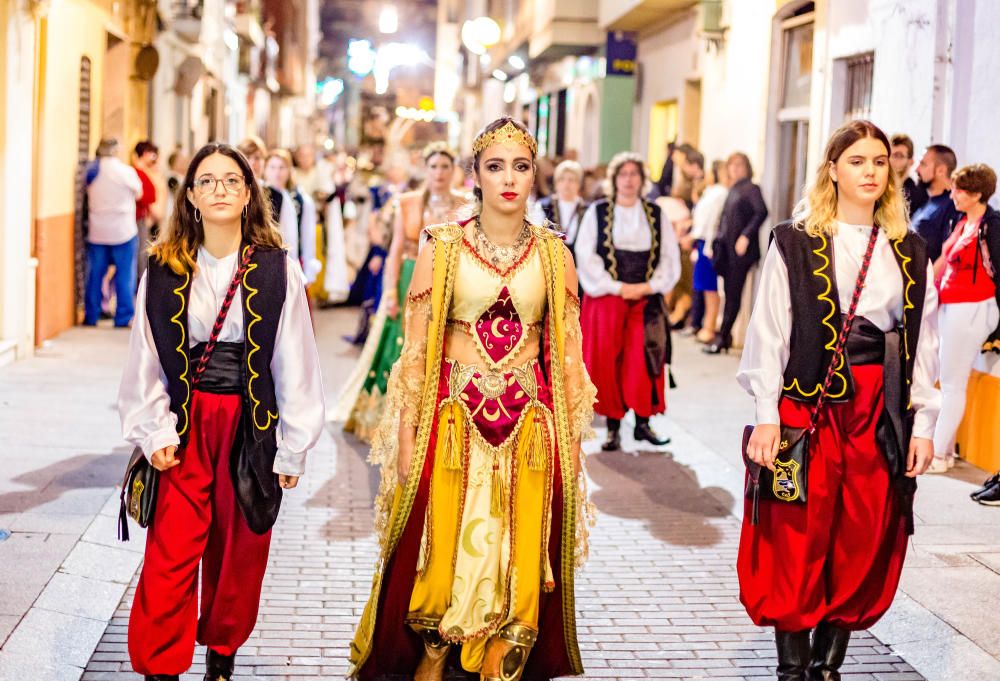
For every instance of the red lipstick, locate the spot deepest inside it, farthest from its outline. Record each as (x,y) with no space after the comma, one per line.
(510,196)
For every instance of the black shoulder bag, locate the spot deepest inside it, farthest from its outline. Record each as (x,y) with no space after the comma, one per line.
(138,495)
(788,482)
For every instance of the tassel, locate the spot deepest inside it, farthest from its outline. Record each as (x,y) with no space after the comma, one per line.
(122,520)
(755,504)
(499,491)
(452,443)
(536,445)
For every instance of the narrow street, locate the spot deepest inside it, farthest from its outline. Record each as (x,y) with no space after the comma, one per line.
(658,597)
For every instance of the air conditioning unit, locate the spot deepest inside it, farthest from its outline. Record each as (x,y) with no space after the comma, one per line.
(713,25)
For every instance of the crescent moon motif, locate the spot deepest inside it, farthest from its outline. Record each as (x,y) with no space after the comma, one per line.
(467,544)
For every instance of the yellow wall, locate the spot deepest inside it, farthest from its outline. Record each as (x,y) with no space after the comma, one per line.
(662,129)
(74,29)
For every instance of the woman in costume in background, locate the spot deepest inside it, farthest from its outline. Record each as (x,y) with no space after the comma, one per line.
(628,259)
(831,565)
(282,211)
(278,173)
(259,402)
(482,511)
(434,204)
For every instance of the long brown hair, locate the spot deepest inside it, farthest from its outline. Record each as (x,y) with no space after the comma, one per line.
(817,212)
(177,244)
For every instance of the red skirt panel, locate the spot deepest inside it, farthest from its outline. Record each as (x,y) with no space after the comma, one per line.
(614,341)
(198,522)
(838,557)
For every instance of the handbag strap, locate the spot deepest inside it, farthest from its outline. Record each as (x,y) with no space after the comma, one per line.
(221,318)
(838,351)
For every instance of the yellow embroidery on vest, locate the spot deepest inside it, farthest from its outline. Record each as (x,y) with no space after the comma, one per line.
(251,292)
(181,350)
(907,304)
(832,343)
(786,480)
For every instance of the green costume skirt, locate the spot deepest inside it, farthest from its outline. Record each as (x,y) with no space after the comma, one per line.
(367,409)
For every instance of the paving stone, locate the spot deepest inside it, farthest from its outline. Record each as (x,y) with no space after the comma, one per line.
(659,598)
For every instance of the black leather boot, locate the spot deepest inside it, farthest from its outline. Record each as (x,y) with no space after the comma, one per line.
(613,443)
(218,667)
(643,433)
(162,677)
(793,654)
(829,648)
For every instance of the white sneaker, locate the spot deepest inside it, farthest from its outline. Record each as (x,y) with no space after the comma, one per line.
(939,464)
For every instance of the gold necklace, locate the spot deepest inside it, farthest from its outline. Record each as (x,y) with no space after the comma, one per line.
(501,257)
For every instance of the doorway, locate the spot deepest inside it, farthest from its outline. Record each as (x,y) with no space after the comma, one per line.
(662,130)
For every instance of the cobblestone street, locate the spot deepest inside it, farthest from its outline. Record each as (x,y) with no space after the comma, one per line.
(657,599)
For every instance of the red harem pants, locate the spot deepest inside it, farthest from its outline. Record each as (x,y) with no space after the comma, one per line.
(837,558)
(198,520)
(614,342)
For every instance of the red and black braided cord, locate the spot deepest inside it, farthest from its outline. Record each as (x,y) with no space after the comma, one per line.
(838,350)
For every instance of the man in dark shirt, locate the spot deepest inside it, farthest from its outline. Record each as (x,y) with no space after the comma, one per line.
(901,160)
(934,220)
(737,248)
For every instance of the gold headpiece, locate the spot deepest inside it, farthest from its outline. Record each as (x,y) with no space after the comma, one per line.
(507,135)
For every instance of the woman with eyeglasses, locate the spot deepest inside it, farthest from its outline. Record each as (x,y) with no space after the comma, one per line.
(227,436)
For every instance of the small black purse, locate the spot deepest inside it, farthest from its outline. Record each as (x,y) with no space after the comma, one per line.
(788,482)
(138,495)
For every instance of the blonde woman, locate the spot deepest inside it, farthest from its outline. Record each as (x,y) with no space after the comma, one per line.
(832,564)
(481,507)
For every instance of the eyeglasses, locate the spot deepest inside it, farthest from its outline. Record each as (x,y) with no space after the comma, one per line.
(207,184)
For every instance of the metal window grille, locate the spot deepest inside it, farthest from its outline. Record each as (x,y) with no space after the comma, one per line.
(858,100)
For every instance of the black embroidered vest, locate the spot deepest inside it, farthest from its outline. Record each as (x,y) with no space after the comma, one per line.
(297,203)
(816,313)
(263,296)
(276,199)
(630,267)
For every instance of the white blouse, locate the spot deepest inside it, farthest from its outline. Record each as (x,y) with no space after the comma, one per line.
(311,265)
(706,214)
(766,348)
(144,405)
(569,222)
(631,232)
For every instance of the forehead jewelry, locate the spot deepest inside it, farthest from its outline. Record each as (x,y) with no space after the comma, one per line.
(508,135)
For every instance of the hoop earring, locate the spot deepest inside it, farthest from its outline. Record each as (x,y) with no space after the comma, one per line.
(246,209)
(197,215)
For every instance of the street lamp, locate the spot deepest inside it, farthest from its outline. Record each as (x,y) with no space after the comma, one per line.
(478,35)
(388,19)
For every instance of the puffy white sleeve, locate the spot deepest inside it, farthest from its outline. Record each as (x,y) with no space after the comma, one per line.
(768,338)
(668,270)
(298,384)
(143,402)
(307,240)
(288,226)
(594,279)
(924,394)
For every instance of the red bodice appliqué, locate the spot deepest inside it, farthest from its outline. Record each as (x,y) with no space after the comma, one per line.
(499,329)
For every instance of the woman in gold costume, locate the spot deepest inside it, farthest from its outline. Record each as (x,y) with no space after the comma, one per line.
(434,204)
(482,511)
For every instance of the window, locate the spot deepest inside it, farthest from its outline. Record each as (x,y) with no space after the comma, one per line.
(858,87)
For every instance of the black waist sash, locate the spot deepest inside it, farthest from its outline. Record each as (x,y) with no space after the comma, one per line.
(223,375)
(868,345)
(633,266)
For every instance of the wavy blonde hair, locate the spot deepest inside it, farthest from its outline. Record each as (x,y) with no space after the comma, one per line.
(817,211)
